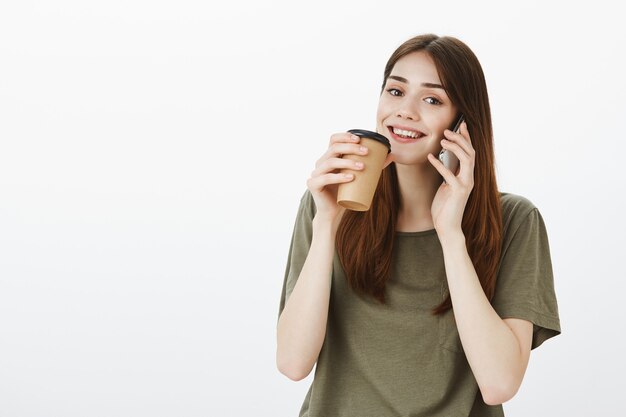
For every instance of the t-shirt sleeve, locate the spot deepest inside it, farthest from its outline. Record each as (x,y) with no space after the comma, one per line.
(299,247)
(525,284)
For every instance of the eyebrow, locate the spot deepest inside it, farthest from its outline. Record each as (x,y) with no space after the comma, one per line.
(427,85)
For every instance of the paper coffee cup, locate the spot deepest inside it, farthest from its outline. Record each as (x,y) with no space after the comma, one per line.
(358,194)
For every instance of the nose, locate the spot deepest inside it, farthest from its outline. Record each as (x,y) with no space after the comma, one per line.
(407,110)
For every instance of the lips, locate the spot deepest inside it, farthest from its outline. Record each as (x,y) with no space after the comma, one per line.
(404,131)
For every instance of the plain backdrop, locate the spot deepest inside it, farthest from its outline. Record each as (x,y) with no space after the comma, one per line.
(153,155)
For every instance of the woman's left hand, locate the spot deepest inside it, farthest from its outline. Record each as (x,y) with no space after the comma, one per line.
(451,198)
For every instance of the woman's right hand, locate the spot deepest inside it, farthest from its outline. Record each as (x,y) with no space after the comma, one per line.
(325,179)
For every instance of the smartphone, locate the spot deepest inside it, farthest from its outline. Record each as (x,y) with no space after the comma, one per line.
(448,158)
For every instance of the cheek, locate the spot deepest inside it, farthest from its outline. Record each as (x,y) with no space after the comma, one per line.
(438,127)
(383,108)
(379,111)
(379,118)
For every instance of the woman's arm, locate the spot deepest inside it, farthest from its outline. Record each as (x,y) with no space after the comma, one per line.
(302,324)
(497,350)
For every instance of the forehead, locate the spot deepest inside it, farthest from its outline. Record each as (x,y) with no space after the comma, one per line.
(417,67)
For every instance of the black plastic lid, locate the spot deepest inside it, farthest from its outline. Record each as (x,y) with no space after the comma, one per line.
(372,135)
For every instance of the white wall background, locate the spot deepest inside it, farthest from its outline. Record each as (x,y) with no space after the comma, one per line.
(152,157)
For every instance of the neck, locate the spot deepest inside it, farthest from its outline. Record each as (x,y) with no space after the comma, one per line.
(418,185)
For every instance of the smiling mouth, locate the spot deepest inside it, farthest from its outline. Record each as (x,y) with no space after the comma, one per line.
(405,134)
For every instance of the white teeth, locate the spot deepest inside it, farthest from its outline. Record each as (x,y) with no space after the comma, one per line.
(406,133)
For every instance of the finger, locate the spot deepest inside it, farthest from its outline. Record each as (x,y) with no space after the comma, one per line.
(460,140)
(319,182)
(465,170)
(455,148)
(339,149)
(465,132)
(344,137)
(445,172)
(333,164)
(463,143)
(464,135)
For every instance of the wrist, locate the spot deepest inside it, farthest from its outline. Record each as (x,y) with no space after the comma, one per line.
(326,224)
(452,239)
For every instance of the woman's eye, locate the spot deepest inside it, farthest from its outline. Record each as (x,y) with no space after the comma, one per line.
(433,99)
(394,92)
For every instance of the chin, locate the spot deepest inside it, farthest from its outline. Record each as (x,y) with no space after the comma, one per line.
(405,159)
(411,160)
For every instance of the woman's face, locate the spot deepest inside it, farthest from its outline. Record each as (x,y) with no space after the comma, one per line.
(414,109)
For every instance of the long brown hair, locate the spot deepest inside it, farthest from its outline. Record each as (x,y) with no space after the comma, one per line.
(365,239)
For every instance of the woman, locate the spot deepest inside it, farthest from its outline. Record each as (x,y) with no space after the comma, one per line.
(429,303)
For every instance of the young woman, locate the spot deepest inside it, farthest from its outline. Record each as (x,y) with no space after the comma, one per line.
(429,303)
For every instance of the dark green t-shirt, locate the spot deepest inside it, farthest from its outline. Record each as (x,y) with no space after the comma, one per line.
(400,360)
